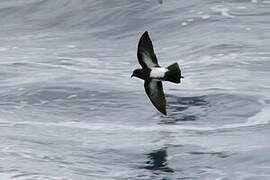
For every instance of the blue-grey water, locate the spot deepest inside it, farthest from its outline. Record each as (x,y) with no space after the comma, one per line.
(69,110)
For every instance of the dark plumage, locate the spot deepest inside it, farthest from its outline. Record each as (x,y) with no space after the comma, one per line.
(153,74)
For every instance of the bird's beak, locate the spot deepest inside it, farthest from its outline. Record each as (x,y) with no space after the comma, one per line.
(182,77)
(131,76)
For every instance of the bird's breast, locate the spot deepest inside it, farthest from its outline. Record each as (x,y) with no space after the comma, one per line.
(158,73)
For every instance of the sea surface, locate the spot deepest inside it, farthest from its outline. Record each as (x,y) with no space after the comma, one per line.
(70,111)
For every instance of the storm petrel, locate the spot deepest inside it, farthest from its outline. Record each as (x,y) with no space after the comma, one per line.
(153,74)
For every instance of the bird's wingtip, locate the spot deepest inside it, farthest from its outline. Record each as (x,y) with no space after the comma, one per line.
(145,33)
(164,112)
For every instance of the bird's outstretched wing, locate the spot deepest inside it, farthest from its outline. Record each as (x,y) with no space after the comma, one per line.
(154,90)
(145,53)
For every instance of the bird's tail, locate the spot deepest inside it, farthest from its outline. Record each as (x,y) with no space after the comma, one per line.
(174,73)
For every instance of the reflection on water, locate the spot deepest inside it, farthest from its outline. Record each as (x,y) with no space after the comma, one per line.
(188,101)
(179,104)
(183,108)
(157,161)
(217,154)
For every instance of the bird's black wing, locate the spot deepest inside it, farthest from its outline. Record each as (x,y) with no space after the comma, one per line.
(145,53)
(154,90)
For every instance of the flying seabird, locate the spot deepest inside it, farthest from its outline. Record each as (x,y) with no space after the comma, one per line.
(153,74)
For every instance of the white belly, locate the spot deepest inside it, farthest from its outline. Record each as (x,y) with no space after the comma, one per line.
(158,72)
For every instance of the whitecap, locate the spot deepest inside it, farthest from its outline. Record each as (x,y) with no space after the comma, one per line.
(184,23)
(205,16)
(71,46)
(262,117)
(224,11)
(72,96)
(241,7)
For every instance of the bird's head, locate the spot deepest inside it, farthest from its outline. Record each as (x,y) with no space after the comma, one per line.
(139,73)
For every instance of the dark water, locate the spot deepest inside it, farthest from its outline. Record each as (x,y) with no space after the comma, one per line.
(69,110)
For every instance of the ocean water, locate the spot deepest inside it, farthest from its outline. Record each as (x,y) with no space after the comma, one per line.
(70,111)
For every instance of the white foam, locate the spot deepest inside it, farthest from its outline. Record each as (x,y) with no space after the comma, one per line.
(71,46)
(262,117)
(130,128)
(4,49)
(200,12)
(6,176)
(21,89)
(241,7)
(72,96)
(224,11)
(206,16)
(184,23)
